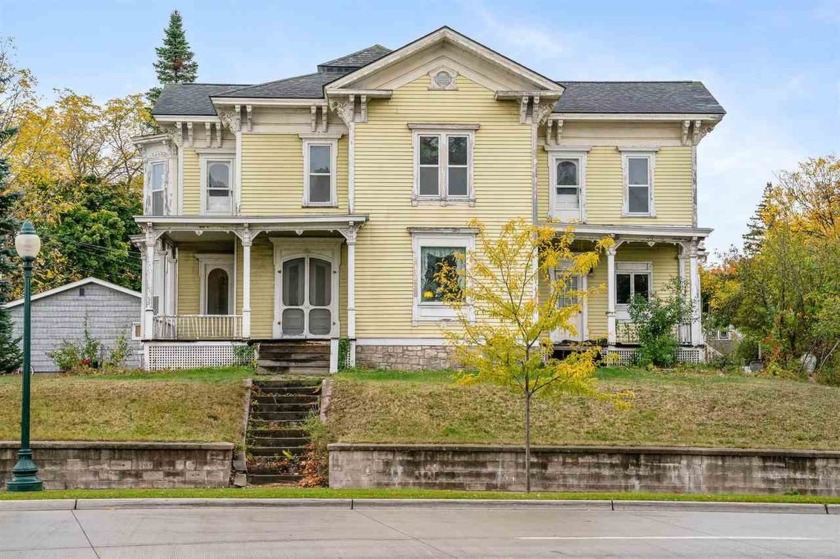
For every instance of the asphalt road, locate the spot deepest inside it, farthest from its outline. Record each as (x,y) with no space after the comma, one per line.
(372,531)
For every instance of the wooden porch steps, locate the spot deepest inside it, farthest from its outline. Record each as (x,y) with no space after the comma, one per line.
(276,440)
(293,357)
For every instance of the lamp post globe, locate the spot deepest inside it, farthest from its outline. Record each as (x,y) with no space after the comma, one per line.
(25,472)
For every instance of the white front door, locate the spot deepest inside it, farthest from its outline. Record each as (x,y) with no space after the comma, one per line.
(578,319)
(306,288)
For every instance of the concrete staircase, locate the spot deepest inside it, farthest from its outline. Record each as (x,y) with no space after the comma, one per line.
(294,357)
(279,407)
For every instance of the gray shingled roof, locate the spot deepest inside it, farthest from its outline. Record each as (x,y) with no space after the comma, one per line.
(190,98)
(355,60)
(309,86)
(637,97)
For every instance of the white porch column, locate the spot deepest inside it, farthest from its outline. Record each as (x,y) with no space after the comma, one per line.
(351,297)
(684,329)
(611,331)
(694,272)
(149,284)
(246,284)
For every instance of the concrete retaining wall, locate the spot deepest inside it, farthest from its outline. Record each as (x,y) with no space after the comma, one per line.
(120,465)
(673,470)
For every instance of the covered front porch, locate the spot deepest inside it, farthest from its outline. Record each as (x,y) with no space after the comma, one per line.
(219,283)
(643,261)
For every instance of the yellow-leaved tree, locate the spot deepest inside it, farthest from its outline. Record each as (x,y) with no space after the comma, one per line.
(506,321)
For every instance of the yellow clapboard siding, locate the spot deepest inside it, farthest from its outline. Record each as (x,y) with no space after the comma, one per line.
(192,180)
(384,179)
(262,286)
(672,191)
(272,176)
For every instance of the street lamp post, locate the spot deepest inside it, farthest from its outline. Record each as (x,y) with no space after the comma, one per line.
(25,472)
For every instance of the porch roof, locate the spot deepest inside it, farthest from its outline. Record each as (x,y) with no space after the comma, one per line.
(297,223)
(662,233)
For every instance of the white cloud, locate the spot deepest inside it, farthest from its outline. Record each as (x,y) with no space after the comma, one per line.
(518,35)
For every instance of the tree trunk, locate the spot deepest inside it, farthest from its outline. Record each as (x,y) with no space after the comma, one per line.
(527,441)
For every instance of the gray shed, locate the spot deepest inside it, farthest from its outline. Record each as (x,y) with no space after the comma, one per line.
(59,314)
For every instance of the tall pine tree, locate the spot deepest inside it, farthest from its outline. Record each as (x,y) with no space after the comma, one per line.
(10,354)
(175,63)
(757,224)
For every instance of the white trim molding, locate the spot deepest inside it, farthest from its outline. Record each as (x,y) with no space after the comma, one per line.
(648,154)
(443,133)
(207,262)
(434,311)
(554,157)
(307,145)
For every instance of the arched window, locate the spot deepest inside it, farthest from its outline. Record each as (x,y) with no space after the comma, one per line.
(218,292)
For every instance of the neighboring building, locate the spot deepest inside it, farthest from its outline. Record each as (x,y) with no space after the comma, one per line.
(60,314)
(312,207)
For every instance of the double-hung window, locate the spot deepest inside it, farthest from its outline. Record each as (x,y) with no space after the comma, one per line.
(638,182)
(443,165)
(567,173)
(218,186)
(632,279)
(157,188)
(440,266)
(319,173)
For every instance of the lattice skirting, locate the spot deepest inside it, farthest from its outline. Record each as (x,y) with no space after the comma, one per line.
(191,355)
(626,355)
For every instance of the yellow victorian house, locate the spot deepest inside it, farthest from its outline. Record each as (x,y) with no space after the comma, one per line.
(297,213)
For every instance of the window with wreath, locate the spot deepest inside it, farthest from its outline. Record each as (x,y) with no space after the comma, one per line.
(442,273)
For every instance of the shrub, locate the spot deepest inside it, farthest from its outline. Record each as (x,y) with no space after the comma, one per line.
(655,320)
(86,355)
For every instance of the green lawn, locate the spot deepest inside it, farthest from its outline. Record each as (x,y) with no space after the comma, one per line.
(701,408)
(203,405)
(324,493)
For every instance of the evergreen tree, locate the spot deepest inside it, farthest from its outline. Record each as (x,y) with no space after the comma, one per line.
(757,224)
(175,63)
(10,354)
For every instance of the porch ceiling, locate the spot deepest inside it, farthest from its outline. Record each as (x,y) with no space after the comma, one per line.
(224,224)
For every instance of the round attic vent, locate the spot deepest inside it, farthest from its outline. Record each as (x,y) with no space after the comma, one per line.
(443,79)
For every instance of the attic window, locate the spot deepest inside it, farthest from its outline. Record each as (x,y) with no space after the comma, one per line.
(81,292)
(443,79)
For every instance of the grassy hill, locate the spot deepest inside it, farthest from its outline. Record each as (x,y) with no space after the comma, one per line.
(701,409)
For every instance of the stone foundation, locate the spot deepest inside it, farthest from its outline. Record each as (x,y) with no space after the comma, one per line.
(606,469)
(120,465)
(404,357)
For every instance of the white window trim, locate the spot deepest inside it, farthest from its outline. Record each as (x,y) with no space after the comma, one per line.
(443,197)
(553,158)
(650,155)
(333,145)
(149,201)
(206,264)
(435,311)
(220,157)
(637,268)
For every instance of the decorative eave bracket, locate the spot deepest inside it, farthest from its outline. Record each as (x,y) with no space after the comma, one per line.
(694,131)
(534,106)
(352,104)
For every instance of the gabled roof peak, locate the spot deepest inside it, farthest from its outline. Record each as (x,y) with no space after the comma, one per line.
(354,60)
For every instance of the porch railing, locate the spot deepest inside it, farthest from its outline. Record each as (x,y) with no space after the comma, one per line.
(627,332)
(198,327)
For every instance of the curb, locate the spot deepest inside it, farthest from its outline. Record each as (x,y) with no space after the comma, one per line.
(710,506)
(37,505)
(351,504)
(579,504)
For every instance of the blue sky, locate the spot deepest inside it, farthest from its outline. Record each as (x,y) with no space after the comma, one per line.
(775,66)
